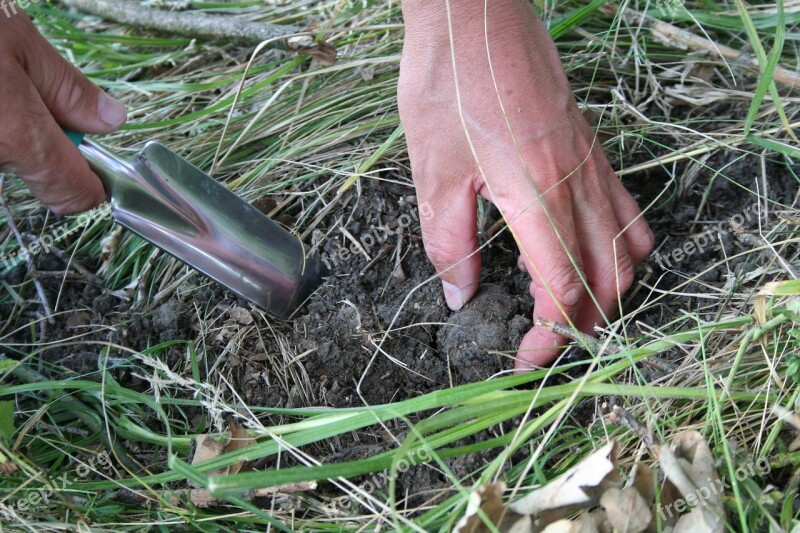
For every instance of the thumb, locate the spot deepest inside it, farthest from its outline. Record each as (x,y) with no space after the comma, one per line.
(74,101)
(450,239)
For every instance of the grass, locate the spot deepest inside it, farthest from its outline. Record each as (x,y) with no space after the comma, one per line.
(304,134)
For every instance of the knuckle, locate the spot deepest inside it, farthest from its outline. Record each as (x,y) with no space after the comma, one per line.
(70,93)
(645,241)
(621,275)
(564,284)
(440,251)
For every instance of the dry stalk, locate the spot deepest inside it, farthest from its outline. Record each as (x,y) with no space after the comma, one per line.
(203,26)
(675,36)
(28,259)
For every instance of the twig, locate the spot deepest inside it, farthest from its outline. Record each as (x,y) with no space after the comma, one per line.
(28,258)
(203,498)
(197,25)
(674,35)
(73,264)
(597,345)
(620,416)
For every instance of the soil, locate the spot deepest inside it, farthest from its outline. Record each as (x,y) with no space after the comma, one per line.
(339,339)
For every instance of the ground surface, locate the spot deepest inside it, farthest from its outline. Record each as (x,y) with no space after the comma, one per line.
(338,340)
(287,135)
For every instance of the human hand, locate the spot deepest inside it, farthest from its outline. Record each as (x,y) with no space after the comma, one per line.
(41,92)
(584,224)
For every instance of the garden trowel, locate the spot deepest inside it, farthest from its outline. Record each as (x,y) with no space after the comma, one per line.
(185,212)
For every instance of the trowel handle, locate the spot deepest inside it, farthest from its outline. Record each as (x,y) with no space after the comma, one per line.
(75,137)
(106,165)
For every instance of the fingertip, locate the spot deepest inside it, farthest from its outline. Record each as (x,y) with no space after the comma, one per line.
(457,296)
(111,111)
(539,348)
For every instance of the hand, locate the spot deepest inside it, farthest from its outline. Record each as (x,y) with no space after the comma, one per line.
(40,91)
(583,224)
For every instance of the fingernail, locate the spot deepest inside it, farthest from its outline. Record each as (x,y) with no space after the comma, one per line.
(572,297)
(112,112)
(453,296)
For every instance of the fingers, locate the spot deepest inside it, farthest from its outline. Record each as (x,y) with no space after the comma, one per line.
(33,146)
(74,101)
(608,259)
(608,264)
(41,93)
(556,284)
(451,242)
(637,233)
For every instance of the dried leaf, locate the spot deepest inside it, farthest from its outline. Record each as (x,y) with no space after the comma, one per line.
(489,499)
(110,243)
(323,52)
(209,447)
(643,479)
(581,486)
(626,509)
(240,439)
(586,524)
(240,315)
(563,526)
(689,468)
(7,466)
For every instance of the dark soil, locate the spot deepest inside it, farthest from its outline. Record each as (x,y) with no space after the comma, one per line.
(339,339)
(342,330)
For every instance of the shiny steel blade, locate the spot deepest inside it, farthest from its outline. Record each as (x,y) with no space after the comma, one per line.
(177,207)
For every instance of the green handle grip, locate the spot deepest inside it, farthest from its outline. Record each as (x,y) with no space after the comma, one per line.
(74,136)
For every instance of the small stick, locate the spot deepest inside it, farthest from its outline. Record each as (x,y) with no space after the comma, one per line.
(675,35)
(197,25)
(620,416)
(204,499)
(76,266)
(580,337)
(28,259)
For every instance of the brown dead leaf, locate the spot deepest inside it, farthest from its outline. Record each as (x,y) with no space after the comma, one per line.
(240,315)
(209,447)
(579,487)
(692,485)
(643,479)
(489,499)
(564,526)
(7,466)
(626,509)
(240,439)
(325,53)
(594,522)
(203,498)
